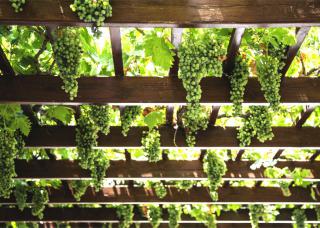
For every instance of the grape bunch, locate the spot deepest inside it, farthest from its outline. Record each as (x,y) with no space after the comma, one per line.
(269,79)
(67,53)
(151,145)
(238,81)
(101,116)
(79,187)
(154,215)
(21,193)
(125,215)
(278,52)
(198,58)
(129,115)
(92,12)
(299,217)
(40,198)
(256,212)
(17,5)
(99,168)
(174,212)
(160,189)
(258,124)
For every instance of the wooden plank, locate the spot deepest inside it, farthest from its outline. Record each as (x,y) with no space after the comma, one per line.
(314,156)
(304,116)
(199,195)
(162,170)
(108,215)
(168,90)
(213,137)
(176,38)
(174,13)
(5,66)
(115,37)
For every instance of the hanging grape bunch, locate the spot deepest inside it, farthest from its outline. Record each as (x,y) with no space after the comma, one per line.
(92,11)
(17,5)
(67,54)
(129,115)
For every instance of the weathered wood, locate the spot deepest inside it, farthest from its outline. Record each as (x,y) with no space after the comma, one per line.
(176,37)
(5,66)
(215,91)
(162,170)
(137,195)
(115,37)
(213,137)
(174,13)
(304,116)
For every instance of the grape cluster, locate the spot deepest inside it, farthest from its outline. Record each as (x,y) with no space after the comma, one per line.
(299,217)
(256,212)
(129,115)
(67,53)
(174,212)
(98,170)
(40,198)
(125,215)
(278,52)
(151,144)
(79,187)
(160,189)
(154,215)
(198,59)
(184,184)
(215,169)
(258,124)
(92,12)
(238,82)
(17,5)
(101,115)
(269,79)
(21,193)
(211,220)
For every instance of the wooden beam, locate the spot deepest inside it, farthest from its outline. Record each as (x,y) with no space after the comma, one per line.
(168,90)
(174,13)
(115,37)
(278,154)
(176,37)
(109,215)
(239,155)
(314,156)
(213,137)
(5,66)
(201,195)
(162,170)
(304,116)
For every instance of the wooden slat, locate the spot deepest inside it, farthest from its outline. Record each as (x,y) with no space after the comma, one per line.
(137,195)
(162,170)
(176,37)
(115,37)
(109,215)
(314,156)
(215,91)
(213,137)
(304,116)
(5,66)
(174,13)
(239,155)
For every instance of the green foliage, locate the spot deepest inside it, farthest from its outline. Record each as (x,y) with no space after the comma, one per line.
(158,187)
(101,116)
(184,184)
(299,217)
(40,198)
(256,212)
(238,82)
(153,119)
(21,193)
(79,187)
(67,53)
(215,168)
(159,49)
(154,215)
(174,212)
(203,214)
(125,215)
(151,144)
(256,124)
(61,113)
(129,115)
(17,5)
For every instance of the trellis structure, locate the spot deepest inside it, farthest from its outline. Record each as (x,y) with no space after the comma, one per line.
(120,90)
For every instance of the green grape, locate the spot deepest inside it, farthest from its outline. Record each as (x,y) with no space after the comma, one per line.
(98,170)
(125,215)
(86,138)
(79,187)
(67,53)
(215,169)
(17,5)
(269,79)
(154,215)
(101,115)
(20,193)
(197,59)
(184,184)
(256,213)
(151,145)
(258,124)
(130,113)
(160,189)
(238,82)
(40,198)
(174,212)
(92,12)
(278,52)
(285,188)
(211,220)
(299,217)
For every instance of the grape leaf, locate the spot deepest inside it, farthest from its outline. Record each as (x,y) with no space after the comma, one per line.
(153,119)
(62,113)
(22,123)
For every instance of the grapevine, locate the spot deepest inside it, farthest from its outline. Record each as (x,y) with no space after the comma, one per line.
(79,187)
(40,198)
(238,82)
(125,214)
(151,144)
(269,79)
(299,217)
(154,215)
(256,124)
(130,113)
(215,168)
(98,170)
(256,212)
(160,189)
(197,60)
(20,193)
(174,212)
(67,53)
(17,5)
(92,12)
(101,116)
